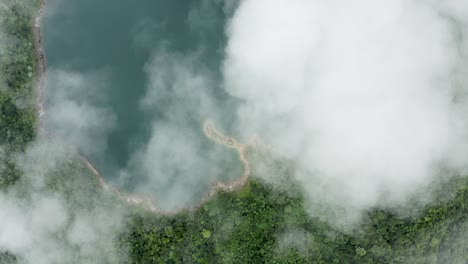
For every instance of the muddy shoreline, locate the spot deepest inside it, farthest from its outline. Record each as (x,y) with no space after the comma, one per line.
(133,200)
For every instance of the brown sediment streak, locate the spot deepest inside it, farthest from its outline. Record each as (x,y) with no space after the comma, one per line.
(134,200)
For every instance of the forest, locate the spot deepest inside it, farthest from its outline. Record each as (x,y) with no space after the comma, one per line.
(261,223)
(17,64)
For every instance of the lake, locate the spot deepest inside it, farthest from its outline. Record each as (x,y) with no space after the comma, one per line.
(131,82)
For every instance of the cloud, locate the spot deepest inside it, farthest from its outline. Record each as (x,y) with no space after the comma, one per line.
(204,15)
(145,32)
(75,109)
(295,238)
(178,163)
(51,215)
(25,227)
(454,243)
(367,97)
(41,225)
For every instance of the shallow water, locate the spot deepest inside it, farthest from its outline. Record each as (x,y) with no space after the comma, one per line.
(108,43)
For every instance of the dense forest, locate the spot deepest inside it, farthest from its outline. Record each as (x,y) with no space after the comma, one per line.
(261,223)
(264,223)
(17,65)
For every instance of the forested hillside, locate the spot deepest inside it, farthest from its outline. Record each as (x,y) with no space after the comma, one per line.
(259,224)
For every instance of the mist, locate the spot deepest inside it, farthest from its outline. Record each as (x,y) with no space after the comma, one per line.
(177,164)
(42,224)
(76,108)
(368,98)
(47,214)
(138,115)
(366,102)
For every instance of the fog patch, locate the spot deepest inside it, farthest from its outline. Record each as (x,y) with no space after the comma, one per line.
(178,163)
(74,109)
(145,33)
(29,230)
(367,98)
(295,238)
(41,225)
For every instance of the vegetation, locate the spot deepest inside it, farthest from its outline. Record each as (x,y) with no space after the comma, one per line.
(263,226)
(17,64)
(258,224)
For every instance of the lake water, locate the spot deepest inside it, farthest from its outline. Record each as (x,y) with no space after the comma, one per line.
(109,92)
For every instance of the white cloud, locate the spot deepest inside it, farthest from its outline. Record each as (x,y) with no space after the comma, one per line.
(41,225)
(361,94)
(74,109)
(29,230)
(177,164)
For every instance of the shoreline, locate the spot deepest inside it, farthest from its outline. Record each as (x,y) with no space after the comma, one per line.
(131,199)
(40,69)
(213,134)
(217,186)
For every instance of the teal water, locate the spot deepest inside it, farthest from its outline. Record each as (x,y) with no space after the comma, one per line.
(112,41)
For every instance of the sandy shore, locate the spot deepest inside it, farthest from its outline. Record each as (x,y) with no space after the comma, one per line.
(135,200)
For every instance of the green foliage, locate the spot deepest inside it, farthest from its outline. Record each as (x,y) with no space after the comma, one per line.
(258,224)
(7,258)
(17,61)
(360,251)
(248,229)
(16,125)
(206,233)
(8,173)
(17,64)
(245,229)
